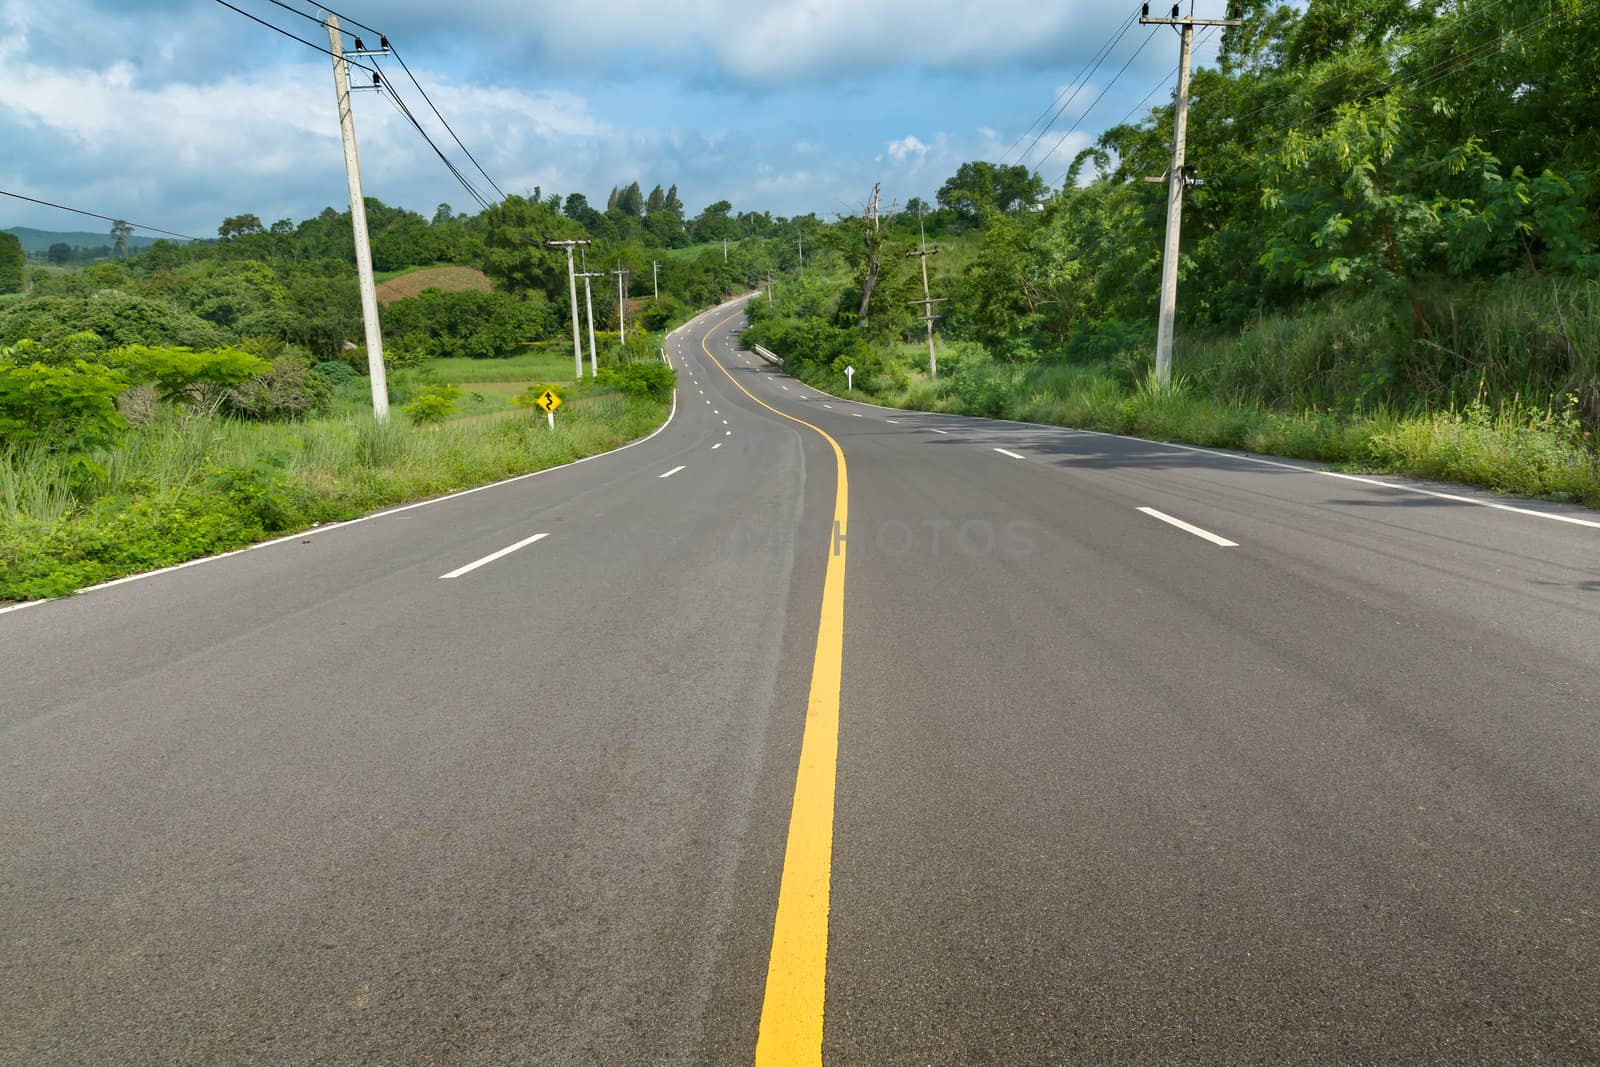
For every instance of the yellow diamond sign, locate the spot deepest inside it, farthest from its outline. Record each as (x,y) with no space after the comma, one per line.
(548,401)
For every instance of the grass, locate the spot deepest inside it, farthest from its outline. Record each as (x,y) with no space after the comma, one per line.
(1512,447)
(1496,386)
(543,362)
(187,486)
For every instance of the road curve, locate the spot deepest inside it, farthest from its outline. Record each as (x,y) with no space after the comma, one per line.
(1144,754)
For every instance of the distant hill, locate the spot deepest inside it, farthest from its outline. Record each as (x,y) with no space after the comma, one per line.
(41,240)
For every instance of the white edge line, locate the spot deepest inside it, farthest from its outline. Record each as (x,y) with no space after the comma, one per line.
(491,557)
(671,472)
(1190,528)
(316,530)
(1008,452)
(946,432)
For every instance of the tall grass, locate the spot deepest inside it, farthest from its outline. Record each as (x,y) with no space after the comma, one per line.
(188,486)
(1514,410)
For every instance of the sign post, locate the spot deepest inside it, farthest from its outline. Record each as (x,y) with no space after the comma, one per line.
(547,403)
(849,378)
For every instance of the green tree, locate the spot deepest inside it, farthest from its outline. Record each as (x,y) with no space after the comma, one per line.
(60,254)
(11,261)
(515,254)
(980,188)
(120,232)
(239,226)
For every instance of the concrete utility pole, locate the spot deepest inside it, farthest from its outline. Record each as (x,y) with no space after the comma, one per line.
(769,288)
(1179,177)
(724,250)
(922,253)
(588,303)
(622,304)
(801,241)
(358,222)
(655,279)
(572,290)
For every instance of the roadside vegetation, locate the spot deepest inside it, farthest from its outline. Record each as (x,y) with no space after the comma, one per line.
(1392,262)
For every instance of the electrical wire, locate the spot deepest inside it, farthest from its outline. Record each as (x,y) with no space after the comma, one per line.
(401,60)
(401,106)
(291,36)
(1082,82)
(383,80)
(1087,111)
(307,15)
(1198,41)
(97,215)
(1055,100)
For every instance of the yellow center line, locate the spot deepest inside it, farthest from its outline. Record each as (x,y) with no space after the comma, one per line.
(791,1011)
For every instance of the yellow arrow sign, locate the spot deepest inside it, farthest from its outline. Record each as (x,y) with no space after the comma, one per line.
(548,401)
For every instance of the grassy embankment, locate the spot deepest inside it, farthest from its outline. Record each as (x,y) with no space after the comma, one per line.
(1497,386)
(189,485)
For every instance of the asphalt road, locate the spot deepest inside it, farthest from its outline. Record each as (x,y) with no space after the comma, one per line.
(1107,790)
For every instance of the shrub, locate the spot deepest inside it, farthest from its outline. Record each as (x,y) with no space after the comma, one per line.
(70,406)
(434,404)
(640,379)
(116,318)
(335,373)
(472,324)
(186,376)
(289,390)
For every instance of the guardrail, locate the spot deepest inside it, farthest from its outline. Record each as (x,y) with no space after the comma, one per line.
(776,361)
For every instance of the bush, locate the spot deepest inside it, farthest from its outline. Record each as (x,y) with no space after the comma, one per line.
(640,379)
(471,324)
(335,373)
(289,390)
(70,406)
(657,314)
(116,318)
(186,376)
(434,404)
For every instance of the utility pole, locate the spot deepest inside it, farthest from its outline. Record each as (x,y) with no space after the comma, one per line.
(655,279)
(769,288)
(724,250)
(1179,177)
(801,241)
(588,303)
(358,216)
(572,291)
(922,253)
(622,304)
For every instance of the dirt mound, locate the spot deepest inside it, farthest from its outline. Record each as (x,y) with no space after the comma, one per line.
(450,279)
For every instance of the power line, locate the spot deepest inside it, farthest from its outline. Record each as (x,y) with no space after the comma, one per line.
(97,215)
(1055,100)
(307,15)
(441,118)
(1198,41)
(346,18)
(291,36)
(1063,139)
(400,106)
(380,79)
(1083,81)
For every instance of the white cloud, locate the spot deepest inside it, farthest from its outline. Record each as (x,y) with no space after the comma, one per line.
(907,147)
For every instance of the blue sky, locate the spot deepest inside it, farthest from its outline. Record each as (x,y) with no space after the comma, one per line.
(176,113)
